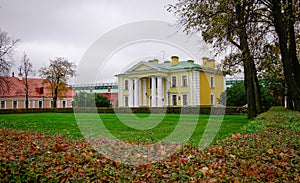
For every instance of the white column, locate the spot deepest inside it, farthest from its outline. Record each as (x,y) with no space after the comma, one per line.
(153,93)
(159,91)
(168,90)
(145,91)
(120,88)
(130,97)
(196,83)
(191,95)
(140,92)
(136,92)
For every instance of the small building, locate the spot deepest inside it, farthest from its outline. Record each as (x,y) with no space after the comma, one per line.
(40,95)
(108,90)
(171,83)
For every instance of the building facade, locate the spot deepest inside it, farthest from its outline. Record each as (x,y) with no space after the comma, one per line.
(40,95)
(171,83)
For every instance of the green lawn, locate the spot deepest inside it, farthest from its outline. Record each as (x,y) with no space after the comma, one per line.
(154,127)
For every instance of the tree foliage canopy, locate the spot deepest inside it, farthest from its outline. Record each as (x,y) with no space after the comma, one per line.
(56,74)
(84,99)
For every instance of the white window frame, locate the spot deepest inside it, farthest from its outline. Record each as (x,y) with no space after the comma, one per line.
(212,99)
(182,98)
(126,101)
(64,104)
(42,106)
(173,100)
(186,79)
(13,104)
(212,82)
(172,83)
(4,104)
(126,83)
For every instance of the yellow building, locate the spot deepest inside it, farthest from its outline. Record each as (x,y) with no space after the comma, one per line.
(171,83)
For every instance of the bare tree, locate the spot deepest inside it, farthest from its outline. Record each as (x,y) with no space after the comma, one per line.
(7,48)
(26,70)
(56,74)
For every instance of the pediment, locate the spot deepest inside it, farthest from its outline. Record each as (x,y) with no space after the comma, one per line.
(142,66)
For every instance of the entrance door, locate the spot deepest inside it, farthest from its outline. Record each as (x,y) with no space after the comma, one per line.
(174,99)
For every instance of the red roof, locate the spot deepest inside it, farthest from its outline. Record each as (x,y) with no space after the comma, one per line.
(36,88)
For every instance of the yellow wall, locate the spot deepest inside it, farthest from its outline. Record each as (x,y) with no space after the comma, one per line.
(206,90)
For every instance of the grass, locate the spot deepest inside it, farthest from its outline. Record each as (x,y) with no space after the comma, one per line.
(153,128)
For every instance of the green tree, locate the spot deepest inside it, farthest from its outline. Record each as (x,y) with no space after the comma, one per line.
(228,25)
(102,101)
(56,74)
(236,96)
(83,99)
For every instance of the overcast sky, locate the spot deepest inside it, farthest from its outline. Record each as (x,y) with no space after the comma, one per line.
(56,28)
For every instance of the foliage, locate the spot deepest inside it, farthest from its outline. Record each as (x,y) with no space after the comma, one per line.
(83,99)
(7,48)
(26,70)
(236,96)
(56,74)
(270,154)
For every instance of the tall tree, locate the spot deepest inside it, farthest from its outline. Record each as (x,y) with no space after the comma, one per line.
(228,25)
(285,17)
(7,48)
(26,69)
(56,74)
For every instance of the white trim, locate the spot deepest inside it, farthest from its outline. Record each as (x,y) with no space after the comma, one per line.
(212,102)
(130,97)
(153,93)
(212,84)
(187,99)
(145,91)
(187,83)
(176,82)
(159,92)
(13,104)
(120,95)
(4,104)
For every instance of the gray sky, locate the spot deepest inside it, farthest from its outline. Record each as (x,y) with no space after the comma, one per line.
(54,28)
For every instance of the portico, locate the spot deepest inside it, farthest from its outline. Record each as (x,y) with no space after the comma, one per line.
(146,91)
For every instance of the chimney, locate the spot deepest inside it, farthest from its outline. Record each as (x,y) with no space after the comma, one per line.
(155,61)
(175,60)
(191,61)
(20,76)
(206,62)
(108,89)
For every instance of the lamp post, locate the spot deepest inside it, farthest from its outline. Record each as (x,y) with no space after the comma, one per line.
(168,92)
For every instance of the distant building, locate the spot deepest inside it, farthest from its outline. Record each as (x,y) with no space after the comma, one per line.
(39,94)
(174,83)
(108,90)
(233,80)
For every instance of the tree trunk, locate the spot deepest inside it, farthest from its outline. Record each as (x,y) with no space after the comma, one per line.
(280,28)
(55,97)
(252,88)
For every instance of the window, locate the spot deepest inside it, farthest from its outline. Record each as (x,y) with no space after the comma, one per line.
(40,104)
(64,104)
(212,84)
(212,99)
(2,104)
(184,81)
(173,81)
(174,99)
(41,90)
(126,101)
(126,84)
(184,99)
(15,104)
(51,104)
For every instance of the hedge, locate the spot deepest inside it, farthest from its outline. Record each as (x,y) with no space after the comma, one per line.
(157,110)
